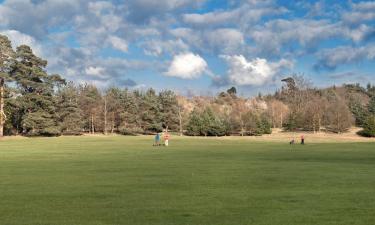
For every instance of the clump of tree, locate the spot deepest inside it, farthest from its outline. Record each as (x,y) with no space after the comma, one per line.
(69,114)
(369,121)
(316,110)
(206,123)
(32,105)
(34,102)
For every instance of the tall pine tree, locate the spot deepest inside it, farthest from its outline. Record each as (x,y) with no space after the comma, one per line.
(6,59)
(37,89)
(69,113)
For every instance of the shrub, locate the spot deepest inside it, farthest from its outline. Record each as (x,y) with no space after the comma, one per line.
(369,127)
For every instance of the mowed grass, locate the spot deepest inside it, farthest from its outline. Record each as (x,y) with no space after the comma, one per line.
(200,181)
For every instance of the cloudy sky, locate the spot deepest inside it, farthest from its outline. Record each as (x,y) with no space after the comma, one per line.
(197,46)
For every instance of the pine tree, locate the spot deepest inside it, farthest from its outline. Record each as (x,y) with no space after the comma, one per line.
(130,116)
(113,98)
(89,102)
(169,110)
(37,89)
(6,59)
(69,113)
(371,106)
(150,112)
(360,113)
(194,126)
(369,127)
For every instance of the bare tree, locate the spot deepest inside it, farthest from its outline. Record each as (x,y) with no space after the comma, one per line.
(338,117)
(277,110)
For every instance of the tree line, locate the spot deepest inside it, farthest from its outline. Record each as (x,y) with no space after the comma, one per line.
(35,103)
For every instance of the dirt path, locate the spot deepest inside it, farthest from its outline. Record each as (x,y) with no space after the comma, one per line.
(310,137)
(276,136)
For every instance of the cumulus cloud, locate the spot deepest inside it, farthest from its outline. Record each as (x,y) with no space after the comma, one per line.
(254,72)
(331,58)
(95,71)
(221,40)
(155,47)
(34,13)
(361,12)
(118,43)
(77,31)
(244,15)
(281,33)
(361,33)
(17,38)
(187,66)
(142,11)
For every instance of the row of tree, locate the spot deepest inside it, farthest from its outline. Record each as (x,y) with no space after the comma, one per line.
(33,102)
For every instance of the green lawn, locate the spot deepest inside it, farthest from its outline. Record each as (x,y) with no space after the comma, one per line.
(124,180)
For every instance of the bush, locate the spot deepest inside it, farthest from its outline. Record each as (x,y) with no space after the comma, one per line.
(47,132)
(131,131)
(72,133)
(206,123)
(369,127)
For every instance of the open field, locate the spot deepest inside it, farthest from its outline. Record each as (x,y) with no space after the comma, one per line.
(124,180)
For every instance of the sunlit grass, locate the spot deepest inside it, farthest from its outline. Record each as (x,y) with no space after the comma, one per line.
(125,180)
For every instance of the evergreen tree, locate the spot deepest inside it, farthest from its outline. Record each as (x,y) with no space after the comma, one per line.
(169,110)
(113,97)
(206,124)
(150,112)
(371,106)
(232,91)
(37,90)
(6,60)
(369,124)
(69,113)
(130,117)
(264,126)
(194,126)
(90,103)
(369,127)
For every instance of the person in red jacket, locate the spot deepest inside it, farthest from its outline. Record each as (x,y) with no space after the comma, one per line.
(166,138)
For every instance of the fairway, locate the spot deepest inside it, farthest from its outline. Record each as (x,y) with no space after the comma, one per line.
(197,181)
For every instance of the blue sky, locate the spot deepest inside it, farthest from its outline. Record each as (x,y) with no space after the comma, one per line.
(197,46)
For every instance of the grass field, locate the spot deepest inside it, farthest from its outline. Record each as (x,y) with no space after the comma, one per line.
(124,180)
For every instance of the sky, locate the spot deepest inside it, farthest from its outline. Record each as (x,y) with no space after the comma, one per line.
(197,47)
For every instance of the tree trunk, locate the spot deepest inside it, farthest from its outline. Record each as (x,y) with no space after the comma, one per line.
(273,117)
(92,124)
(105,116)
(281,120)
(113,123)
(180,120)
(2,114)
(319,124)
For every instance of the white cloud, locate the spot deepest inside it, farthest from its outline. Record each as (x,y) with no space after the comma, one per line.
(17,38)
(229,40)
(187,66)
(95,71)
(211,17)
(279,34)
(331,58)
(359,34)
(160,47)
(361,12)
(118,43)
(255,72)
(34,13)
(222,40)
(244,15)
